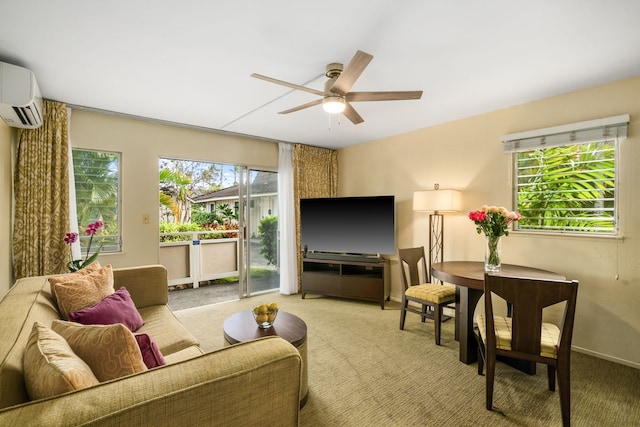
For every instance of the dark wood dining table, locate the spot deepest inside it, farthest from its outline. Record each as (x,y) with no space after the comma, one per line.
(468,276)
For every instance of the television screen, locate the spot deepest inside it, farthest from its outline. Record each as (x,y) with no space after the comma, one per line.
(348,225)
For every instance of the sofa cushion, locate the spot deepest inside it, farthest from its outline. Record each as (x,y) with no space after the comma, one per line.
(166,330)
(150,353)
(115,308)
(91,268)
(83,291)
(184,354)
(51,367)
(111,351)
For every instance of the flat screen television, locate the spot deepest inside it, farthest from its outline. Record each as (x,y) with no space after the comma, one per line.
(348,225)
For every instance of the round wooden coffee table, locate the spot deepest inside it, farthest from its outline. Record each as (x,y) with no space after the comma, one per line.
(241,327)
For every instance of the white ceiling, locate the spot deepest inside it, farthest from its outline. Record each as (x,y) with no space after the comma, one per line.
(189,61)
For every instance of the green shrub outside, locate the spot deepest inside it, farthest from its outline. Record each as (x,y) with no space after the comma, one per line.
(202,218)
(268,231)
(171,227)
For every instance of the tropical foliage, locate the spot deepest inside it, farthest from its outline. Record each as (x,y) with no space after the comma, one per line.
(182,179)
(223,214)
(569,188)
(174,193)
(96,188)
(172,227)
(218,224)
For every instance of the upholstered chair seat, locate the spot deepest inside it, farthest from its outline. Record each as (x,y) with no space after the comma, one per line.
(549,337)
(437,294)
(415,277)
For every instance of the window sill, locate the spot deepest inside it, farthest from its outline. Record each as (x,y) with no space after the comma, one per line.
(565,235)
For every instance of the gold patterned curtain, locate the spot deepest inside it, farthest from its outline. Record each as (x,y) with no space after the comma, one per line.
(315,174)
(41,187)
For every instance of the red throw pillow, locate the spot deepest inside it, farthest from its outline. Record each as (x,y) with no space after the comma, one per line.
(115,308)
(151,354)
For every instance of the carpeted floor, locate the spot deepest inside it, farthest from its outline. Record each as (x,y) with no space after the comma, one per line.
(364,371)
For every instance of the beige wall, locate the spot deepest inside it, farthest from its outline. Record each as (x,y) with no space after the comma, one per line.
(142,144)
(467,155)
(6,134)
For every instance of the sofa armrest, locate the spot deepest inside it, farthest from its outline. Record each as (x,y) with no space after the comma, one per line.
(253,383)
(148,285)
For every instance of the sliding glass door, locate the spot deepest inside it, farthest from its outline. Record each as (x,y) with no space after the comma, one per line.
(219,228)
(261,232)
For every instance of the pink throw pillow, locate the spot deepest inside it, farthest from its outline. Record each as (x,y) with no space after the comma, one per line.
(151,354)
(115,308)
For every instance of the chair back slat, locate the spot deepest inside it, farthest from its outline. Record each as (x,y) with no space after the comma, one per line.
(528,297)
(415,262)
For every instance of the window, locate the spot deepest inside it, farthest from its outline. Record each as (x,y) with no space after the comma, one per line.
(97,188)
(565,178)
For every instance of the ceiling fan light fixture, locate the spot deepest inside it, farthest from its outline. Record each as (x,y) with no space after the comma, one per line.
(337,89)
(333,104)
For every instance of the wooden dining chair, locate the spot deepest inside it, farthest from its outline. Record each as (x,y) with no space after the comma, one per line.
(525,336)
(417,288)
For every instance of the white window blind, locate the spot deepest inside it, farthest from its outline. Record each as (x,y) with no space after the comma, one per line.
(588,131)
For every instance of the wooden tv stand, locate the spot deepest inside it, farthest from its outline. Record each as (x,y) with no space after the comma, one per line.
(347,278)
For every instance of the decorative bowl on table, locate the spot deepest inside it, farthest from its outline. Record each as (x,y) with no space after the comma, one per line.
(265,314)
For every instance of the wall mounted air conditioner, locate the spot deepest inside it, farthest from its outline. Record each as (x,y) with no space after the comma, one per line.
(20,99)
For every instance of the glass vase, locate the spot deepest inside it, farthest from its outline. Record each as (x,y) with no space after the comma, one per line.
(492,254)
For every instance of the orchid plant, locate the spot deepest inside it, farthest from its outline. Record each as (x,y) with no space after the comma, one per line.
(70,238)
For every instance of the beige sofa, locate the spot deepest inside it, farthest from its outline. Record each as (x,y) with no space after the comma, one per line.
(254,383)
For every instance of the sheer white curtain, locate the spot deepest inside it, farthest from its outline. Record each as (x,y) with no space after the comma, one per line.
(73,213)
(288,250)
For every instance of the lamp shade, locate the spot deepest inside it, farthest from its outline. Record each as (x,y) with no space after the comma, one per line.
(437,201)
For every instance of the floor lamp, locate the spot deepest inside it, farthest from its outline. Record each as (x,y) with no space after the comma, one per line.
(436,202)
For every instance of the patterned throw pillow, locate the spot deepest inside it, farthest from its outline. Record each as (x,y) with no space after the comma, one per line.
(51,367)
(83,291)
(111,351)
(91,268)
(115,308)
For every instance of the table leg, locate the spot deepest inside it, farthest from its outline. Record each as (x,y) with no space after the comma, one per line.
(466,301)
(456,333)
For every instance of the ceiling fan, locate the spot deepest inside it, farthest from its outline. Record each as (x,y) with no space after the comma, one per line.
(336,97)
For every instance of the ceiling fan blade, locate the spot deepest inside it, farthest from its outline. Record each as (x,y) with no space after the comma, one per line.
(287,84)
(351,114)
(351,73)
(302,107)
(383,96)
